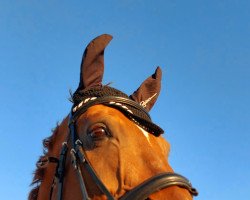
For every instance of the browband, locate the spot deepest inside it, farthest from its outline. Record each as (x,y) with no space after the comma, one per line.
(130,108)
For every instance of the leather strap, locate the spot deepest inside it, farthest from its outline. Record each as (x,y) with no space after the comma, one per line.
(130,108)
(60,170)
(84,161)
(82,107)
(77,168)
(78,157)
(156,183)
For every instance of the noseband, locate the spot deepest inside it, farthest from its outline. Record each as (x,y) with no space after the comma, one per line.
(78,157)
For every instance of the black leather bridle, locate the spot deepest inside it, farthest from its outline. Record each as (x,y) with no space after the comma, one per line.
(78,158)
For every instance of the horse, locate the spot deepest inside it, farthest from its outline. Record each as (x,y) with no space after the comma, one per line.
(108,146)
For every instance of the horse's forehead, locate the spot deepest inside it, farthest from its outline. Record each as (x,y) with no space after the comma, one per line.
(102,111)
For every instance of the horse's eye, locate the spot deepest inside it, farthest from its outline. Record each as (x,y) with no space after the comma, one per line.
(98,131)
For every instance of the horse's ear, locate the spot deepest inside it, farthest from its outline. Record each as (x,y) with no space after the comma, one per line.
(146,95)
(92,66)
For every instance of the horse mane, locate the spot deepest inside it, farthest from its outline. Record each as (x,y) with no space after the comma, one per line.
(41,164)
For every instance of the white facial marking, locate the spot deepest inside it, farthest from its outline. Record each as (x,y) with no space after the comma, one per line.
(145,133)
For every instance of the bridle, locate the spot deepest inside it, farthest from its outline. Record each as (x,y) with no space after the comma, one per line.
(78,157)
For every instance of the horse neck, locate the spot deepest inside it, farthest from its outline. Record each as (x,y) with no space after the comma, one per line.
(55,143)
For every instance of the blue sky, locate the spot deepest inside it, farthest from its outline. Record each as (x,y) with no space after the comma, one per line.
(203,48)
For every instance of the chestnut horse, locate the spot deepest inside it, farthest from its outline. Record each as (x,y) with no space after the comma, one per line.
(108,147)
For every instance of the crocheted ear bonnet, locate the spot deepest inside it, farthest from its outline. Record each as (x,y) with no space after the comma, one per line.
(91,91)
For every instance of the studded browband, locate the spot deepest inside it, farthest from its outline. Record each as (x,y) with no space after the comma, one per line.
(130,108)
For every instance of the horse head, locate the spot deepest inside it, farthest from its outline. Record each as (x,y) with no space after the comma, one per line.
(108,147)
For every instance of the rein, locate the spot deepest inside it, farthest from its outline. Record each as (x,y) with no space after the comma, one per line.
(78,157)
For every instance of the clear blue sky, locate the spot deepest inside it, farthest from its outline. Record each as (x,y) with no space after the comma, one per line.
(203,48)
